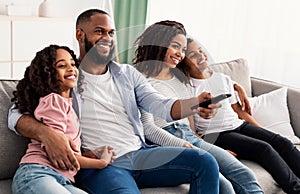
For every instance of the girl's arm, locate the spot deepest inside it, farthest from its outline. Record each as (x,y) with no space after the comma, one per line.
(245,105)
(85,162)
(244,115)
(99,158)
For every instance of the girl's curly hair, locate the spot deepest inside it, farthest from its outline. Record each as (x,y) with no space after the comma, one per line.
(40,79)
(152,46)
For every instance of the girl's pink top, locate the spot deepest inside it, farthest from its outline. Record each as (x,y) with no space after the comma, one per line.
(56,112)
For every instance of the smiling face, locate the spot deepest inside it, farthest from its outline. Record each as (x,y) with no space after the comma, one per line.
(96,38)
(176,51)
(198,58)
(67,71)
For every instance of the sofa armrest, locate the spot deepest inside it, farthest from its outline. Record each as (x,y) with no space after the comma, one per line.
(260,86)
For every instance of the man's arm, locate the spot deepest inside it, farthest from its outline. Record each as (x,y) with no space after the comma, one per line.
(182,108)
(57,145)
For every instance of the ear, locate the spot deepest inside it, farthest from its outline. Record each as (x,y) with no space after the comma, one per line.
(79,35)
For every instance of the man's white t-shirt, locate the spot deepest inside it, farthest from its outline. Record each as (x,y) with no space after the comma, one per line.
(104,120)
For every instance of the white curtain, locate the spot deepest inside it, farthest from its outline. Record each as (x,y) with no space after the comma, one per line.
(107,5)
(265,32)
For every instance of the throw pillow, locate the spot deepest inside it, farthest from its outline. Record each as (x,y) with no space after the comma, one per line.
(271,111)
(237,70)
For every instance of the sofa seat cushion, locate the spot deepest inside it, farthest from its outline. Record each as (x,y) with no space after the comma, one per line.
(181,189)
(5,186)
(264,178)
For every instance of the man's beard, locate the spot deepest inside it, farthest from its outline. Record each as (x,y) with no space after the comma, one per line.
(92,53)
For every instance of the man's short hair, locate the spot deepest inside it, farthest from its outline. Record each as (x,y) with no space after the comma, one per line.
(86,15)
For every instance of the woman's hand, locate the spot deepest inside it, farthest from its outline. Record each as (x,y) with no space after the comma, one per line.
(188,145)
(232,153)
(243,98)
(211,111)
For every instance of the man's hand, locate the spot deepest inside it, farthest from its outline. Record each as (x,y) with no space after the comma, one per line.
(60,150)
(57,145)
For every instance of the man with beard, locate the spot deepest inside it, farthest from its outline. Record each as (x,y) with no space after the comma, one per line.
(107,105)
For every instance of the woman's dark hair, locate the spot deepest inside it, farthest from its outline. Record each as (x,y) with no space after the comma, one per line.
(152,46)
(40,79)
(182,66)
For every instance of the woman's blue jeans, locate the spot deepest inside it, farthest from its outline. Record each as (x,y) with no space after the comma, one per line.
(154,167)
(36,179)
(232,172)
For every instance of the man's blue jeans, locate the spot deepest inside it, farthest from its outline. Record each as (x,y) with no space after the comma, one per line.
(154,167)
(232,170)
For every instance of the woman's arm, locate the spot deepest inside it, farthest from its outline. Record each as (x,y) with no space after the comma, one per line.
(245,105)
(182,108)
(244,115)
(158,135)
(192,123)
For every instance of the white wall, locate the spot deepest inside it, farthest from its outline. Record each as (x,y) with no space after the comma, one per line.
(266,33)
(39,31)
(67,7)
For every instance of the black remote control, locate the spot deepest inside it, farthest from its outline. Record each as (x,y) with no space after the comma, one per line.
(214,100)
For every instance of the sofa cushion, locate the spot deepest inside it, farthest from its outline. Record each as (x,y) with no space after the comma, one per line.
(5,186)
(260,86)
(264,178)
(181,189)
(271,111)
(12,146)
(238,71)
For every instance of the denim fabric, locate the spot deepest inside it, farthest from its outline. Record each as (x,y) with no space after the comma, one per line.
(154,167)
(273,152)
(36,179)
(232,170)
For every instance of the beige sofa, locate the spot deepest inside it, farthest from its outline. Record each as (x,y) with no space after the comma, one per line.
(12,147)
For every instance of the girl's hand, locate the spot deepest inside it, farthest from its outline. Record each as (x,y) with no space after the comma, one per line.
(105,153)
(243,98)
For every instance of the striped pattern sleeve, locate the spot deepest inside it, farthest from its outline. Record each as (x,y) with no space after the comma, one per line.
(158,135)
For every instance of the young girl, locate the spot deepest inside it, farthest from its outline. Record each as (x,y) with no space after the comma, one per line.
(246,138)
(161,47)
(45,93)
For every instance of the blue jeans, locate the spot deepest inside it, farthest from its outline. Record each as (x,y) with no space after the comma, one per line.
(154,167)
(273,152)
(36,178)
(232,171)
